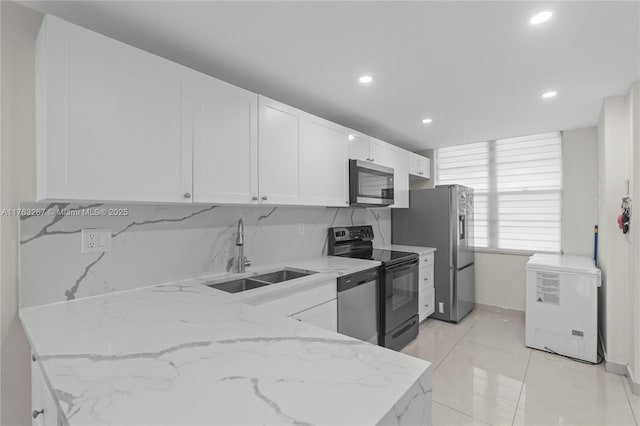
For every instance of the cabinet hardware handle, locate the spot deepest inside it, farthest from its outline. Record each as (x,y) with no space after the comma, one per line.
(33,358)
(373,159)
(254,198)
(264,197)
(187,195)
(36,413)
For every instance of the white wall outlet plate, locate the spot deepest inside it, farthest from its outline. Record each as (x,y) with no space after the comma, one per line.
(441,307)
(301,229)
(96,240)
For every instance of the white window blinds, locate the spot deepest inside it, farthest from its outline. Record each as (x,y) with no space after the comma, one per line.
(517,189)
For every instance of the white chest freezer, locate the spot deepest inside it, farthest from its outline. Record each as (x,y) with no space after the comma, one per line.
(561,308)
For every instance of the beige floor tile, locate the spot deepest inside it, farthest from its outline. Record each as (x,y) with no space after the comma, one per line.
(445,416)
(499,331)
(431,345)
(633,399)
(450,329)
(480,381)
(559,391)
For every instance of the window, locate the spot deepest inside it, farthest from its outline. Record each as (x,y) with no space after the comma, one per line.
(517,186)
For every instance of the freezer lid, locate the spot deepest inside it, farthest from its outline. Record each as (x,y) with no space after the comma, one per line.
(563,263)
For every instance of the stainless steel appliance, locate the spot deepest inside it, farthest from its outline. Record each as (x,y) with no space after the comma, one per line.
(443,218)
(370,184)
(358,305)
(398,289)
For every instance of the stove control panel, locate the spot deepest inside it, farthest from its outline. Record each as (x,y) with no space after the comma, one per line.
(351,233)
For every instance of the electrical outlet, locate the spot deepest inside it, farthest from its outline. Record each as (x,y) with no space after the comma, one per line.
(441,307)
(96,240)
(301,229)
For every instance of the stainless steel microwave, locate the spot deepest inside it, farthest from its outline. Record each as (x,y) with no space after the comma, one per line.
(370,185)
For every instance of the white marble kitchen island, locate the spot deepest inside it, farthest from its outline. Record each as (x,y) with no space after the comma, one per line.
(184,353)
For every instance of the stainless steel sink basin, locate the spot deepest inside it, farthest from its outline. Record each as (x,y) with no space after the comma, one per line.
(282,275)
(244,284)
(236,286)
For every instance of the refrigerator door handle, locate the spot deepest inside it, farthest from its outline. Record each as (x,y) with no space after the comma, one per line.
(461,227)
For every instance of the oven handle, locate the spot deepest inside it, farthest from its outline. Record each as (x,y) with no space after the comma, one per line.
(402,266)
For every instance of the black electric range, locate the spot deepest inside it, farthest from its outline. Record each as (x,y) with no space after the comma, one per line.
(398,293)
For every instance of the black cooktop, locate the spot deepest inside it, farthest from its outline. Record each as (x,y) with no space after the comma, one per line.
(355,241)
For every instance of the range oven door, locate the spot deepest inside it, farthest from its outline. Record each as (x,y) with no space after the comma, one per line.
(370,184)
(400,294)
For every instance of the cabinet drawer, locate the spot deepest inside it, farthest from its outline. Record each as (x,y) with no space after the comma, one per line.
(426,259)
(427,303)
(425,276)
(298,302)
(324,315)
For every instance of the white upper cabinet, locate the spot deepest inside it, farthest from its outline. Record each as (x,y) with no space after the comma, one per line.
(419,166)
(114,123)
(377,152)
(303,158)
(117,124)
(367,148)
(324,165)
(279,155)
(358,146)
(225,144)
(398,158)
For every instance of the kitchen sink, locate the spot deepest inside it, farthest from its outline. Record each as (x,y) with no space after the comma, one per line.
(282,275)
(236,286)
(249,283)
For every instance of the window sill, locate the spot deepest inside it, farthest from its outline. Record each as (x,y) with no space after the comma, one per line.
(526,253)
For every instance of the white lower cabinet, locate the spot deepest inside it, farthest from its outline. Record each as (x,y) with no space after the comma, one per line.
(426,291)
(317,306)
(324,315)
(43,407)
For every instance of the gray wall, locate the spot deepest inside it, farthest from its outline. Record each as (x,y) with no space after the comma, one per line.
(19,27)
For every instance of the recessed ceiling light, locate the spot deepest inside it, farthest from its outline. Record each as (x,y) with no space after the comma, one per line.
(366,79)
(550,94)
(426,120)
(541,17)
(351,137)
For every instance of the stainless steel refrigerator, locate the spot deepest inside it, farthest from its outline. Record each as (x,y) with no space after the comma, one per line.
(442,217)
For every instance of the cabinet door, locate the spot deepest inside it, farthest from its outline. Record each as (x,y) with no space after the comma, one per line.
(377,151)
(279,160)
(414,164)
(425,167)
(324,165)
(114,122)
(225,149)
(398,159)
(358,146)
(42,404)
(324,315)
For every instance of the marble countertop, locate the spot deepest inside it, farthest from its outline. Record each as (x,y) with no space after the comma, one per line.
(413,249)
(184,353)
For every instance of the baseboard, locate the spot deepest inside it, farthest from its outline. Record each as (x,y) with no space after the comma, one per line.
(499,310)
(633,384)
(615,368)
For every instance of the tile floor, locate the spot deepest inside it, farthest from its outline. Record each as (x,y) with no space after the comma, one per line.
(483,374)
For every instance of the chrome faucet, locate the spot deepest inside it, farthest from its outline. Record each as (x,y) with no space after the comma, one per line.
(243,262)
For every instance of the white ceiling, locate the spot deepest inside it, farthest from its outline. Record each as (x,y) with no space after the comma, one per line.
(477,68)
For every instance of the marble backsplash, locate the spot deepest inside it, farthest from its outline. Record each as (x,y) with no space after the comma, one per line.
(157,244)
